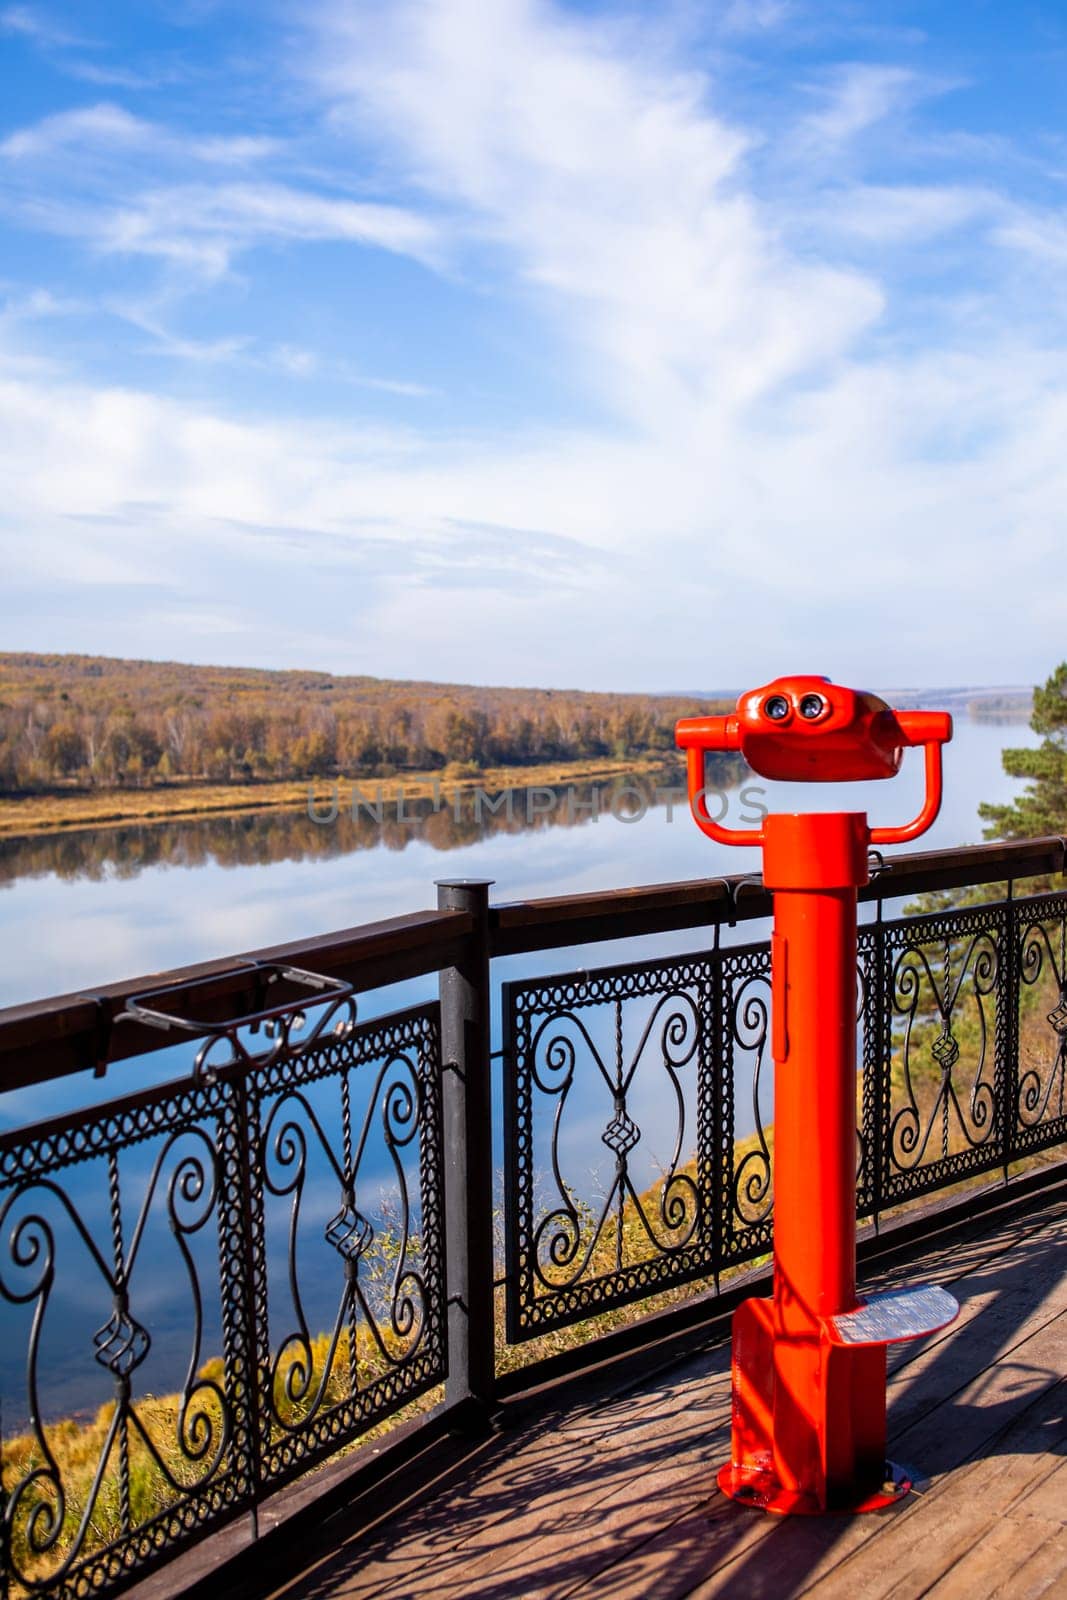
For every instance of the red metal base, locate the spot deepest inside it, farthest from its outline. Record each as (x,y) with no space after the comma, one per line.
(759,1489)
(808,1429)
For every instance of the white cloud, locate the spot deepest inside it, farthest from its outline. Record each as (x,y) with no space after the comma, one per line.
(206,225)
(312,366)
(99,173)
(162,491)
(764,436)
(114,77)
(778,476)
(720,557)
(36,304)
(856,96)
(1042,237)
(110,127)
(883,213)
(615,187)
(296,362)
(33,24)
(755,16)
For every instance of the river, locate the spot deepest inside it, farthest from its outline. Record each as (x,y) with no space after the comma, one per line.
(100,905)
(94,906)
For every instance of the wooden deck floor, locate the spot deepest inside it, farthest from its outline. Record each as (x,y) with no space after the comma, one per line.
(617,1497)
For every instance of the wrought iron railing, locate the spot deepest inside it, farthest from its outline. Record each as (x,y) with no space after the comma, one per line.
(210,1184)
(963,1040)
(300,1226)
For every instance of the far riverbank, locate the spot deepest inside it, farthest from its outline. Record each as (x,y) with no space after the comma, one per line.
(25,815)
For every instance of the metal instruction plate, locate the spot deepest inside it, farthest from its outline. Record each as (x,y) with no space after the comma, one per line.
(895,1314)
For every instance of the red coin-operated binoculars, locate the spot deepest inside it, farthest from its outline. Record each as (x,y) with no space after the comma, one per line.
(809,1367)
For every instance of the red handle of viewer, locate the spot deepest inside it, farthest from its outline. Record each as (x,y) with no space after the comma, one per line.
(931,805)
(708,733)
(924,727)
(698,805)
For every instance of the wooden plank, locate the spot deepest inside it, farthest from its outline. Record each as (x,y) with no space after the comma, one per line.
(681,1406)
(595,1465)
(1048,1499)
(1003,1302)
(706,892)
(524,927)
(1002,1547)
(618,1500)
(776,1555)
(916,872)
(969,1419)
(900,1554)
(911,1245)
(1043,1572)
(922,1545)
(672,1564)
(518,1525)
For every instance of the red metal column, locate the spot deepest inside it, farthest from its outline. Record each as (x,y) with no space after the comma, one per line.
(815,864)
(815,1139)
(814,1431)
(809,1420)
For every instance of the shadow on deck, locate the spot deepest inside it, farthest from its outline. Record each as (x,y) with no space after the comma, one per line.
(606,1488)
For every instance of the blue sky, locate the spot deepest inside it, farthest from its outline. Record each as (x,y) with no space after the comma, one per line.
(596,344)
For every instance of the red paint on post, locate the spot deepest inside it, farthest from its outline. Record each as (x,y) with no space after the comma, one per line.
(808,1410)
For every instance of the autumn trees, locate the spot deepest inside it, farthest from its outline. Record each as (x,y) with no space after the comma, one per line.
(81,721)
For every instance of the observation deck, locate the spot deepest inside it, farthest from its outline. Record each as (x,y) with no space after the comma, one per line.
(400,1260)
(608,1489)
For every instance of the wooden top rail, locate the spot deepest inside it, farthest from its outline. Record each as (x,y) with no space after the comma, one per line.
(527,925)
(74,1032)
(920,871)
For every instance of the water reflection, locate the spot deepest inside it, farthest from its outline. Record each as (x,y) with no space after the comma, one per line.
(356,819)
(79,922)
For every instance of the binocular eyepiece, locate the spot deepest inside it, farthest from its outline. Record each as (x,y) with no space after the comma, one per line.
(808,729)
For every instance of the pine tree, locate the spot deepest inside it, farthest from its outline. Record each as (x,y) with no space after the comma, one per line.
(1042,807)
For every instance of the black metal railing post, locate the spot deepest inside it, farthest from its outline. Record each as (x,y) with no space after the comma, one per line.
(1007,1081)
(243,1307)
(468,1145)
(877,1068)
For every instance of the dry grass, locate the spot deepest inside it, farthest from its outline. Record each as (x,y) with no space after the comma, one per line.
(184,1452)
(81,1451)
(78,1448)
(49,813)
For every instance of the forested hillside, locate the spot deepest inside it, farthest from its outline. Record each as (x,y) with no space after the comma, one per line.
(89,721)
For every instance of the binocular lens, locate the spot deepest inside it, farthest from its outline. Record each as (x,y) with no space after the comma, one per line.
(777,707)
(812,706)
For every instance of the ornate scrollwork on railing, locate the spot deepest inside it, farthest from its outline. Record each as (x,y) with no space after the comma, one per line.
(352,1133)
(868,1055)
(88,1208)
(745,1083)
(234,1277)
(946,1015)
(1040,1088)
(746,1088)
(138,1273)
(619,1060)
